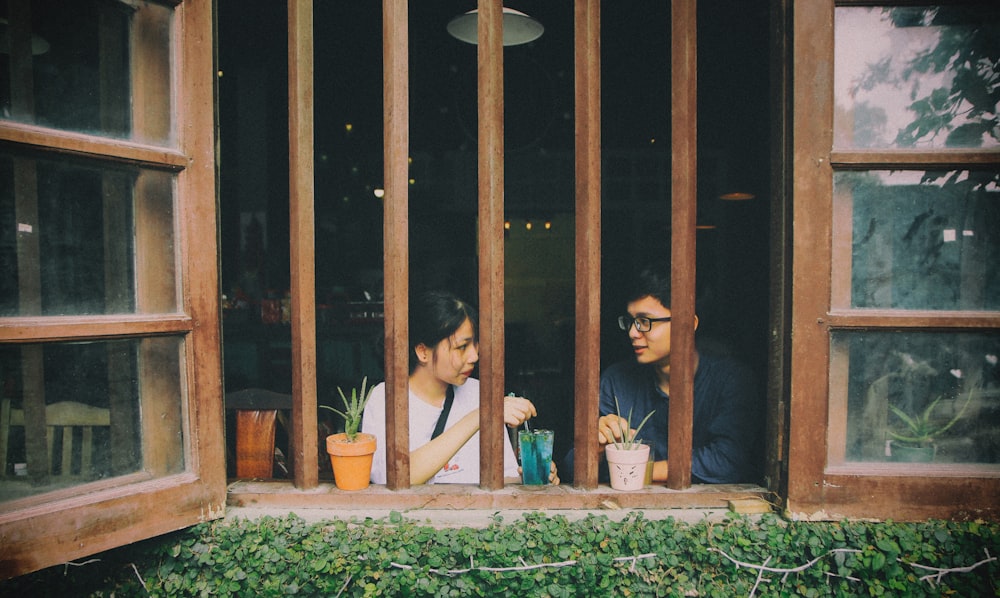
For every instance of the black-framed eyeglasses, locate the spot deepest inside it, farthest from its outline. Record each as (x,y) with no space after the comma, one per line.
(641,324)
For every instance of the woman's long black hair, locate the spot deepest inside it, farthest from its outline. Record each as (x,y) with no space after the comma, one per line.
(434,316)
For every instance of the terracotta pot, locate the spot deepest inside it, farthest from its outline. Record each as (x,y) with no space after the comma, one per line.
(351,461)
(627,467)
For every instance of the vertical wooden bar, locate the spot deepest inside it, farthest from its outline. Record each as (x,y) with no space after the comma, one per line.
(158,275)
(112,78)
(587,68)
(199,217)
(152,117)
(837,418)
(684,193)
(395,41)
(117,210)
(157,291)
(843,248)
(33,400)
(305,463)
(161,415)
(780,257)
(29,286)
(29,279)
(157,283)
(118,222)
(812,96)
(491,258)
(22,88)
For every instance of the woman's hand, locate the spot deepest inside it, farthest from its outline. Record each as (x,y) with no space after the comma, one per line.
(516,410)
(610,428)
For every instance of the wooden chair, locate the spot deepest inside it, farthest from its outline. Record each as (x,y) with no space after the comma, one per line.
(60,418)
(256,412)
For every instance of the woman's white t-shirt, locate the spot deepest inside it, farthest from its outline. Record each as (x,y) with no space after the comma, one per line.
(463,468)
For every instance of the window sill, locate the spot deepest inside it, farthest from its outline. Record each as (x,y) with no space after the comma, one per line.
(283,495)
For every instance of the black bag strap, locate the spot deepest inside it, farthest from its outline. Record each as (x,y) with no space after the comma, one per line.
(449,398)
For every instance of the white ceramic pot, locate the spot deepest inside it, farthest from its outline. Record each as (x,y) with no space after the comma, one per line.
(627,467)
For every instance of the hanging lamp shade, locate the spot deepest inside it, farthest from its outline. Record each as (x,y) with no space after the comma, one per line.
(518,28)
(38,44)
(737,196)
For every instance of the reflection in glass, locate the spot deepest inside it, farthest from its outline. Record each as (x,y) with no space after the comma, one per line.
(93,67)
(75,413)
(922,240)
(939,392)
(77,238)
(917,77)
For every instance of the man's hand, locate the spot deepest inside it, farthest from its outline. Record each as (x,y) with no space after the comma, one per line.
(610,428)
(516,410)
(553,474)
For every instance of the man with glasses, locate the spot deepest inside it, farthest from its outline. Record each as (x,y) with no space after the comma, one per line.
(726,426)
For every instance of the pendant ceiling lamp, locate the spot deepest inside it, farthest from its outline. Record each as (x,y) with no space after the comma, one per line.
(518,28)
(38,44)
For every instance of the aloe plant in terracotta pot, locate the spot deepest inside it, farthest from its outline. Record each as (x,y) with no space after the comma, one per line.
(351,451)
(627,458)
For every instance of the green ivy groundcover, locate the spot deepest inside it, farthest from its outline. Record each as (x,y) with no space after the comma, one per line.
(541,555)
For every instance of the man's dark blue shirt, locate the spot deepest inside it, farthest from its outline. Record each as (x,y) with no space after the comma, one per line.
(726,430)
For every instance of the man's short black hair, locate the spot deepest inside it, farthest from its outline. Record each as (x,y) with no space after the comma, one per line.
(652,281)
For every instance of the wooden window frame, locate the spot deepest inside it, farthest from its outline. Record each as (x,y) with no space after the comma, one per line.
(131,508)
(818,488)
(491,492)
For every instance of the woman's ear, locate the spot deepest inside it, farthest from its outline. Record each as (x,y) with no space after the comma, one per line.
(423,353)
(696,321)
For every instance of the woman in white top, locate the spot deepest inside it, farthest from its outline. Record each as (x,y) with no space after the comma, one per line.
(443,353)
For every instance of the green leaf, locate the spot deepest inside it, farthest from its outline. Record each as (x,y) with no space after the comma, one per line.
(878,561)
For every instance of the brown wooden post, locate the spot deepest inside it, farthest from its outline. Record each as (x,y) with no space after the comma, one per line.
(22,100)
(305,447)
(780,259)
(395,42)
(684,194)
(587,67)
(491,259)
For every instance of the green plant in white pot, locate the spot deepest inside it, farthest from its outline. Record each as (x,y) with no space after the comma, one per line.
(351,451)
(915,441)
(627,457)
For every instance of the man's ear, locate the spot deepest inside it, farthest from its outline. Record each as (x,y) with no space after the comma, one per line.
(696,321)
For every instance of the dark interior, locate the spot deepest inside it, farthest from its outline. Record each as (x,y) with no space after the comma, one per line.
(733,156)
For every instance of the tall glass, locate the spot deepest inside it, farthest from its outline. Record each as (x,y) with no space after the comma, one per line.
(649,463)
(536,456)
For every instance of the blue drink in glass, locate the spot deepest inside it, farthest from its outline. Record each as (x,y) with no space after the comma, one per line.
(536,456)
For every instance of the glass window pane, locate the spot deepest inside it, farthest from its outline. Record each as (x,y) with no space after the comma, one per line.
(88,66)
(75,413)
(917,77)
(82,238)
(920,240)
(936,391)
